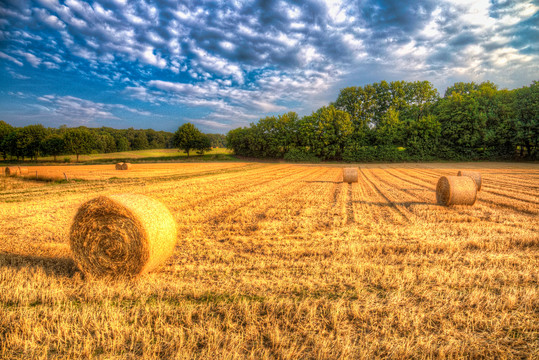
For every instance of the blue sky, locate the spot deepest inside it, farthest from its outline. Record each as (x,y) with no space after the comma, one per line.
(224,64)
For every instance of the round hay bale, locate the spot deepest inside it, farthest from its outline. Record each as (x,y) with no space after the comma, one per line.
(350,175)
(12,171)
(476,176)
(123,235)
(456,190)
(127,166)
(119,166)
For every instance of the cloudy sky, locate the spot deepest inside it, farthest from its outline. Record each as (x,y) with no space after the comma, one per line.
(224,64)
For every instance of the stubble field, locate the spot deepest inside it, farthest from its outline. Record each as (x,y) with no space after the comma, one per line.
(282,261)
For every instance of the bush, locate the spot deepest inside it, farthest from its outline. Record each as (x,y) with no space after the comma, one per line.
(358,153)
(300,155)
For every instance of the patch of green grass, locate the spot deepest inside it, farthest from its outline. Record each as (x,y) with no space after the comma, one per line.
(135,156)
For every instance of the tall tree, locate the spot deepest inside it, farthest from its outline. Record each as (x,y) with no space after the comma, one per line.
(188,138)
(5,130)
(326,132)
(527,118)
(30,138)
(79,141)
(53,145)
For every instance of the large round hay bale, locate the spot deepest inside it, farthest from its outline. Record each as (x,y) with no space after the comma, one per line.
(119,166)
(350,175)
(456,190)
(127,166)
(122,235)
(476,176)
(12,171)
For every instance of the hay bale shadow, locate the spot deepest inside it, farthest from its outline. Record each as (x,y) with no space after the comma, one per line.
(57,266)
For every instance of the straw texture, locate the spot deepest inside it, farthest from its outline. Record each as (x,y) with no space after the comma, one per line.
(127,166)
(476,176)
(23,170)
(12,171)
(122,235)
(350,175)
(119,166)
(456,190)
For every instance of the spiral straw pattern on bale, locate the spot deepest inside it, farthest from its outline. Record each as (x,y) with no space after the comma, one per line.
(350,175)
(456,190)
(476,176)
(126,166)
(122,235)
(119,166)
(12,171)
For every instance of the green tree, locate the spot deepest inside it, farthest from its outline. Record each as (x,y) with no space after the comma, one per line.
(326,132)
(202,144)
(104,142)
(5,130)
(422,136)
(79,141)
(188,138)
(390,130)
(463,124)
(420,98)
(53,145)
(140,142)
(217,140)
(13,145)
(527,118)
(122,144)
(30,138)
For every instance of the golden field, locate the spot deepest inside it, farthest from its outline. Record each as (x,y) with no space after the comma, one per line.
(281,261)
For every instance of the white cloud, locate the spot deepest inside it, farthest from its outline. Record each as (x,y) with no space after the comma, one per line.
(30,58)
(84,111)
(148,57)
(10,58)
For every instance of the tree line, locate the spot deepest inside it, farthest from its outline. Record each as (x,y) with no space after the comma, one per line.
(399,121)
(32,141)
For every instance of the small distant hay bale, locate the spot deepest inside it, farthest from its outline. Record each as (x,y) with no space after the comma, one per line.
(127,166)
(456,190)
(123,235)
(350,175)
(476,176)
(119,166)
(12,171)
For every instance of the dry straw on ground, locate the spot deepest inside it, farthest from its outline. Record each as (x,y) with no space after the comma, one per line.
(456,190)
(350,175)
(122,235)
(476,176)
(119,166)
(12,171)
(127,166)
(23,170)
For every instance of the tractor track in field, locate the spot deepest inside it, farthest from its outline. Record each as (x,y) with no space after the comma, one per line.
(390,203)
(219,216)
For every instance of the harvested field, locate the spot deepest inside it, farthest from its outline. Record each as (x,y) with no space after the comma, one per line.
(104,172)
(282,261)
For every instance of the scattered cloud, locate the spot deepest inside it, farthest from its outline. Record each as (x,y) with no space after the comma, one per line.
(82,111)
(245,59)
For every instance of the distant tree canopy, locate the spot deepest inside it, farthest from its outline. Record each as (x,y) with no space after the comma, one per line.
(400,121)
(32,141)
